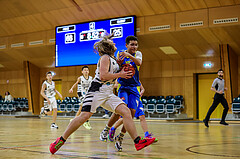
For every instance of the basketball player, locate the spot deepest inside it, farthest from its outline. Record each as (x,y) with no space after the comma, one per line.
(139,115)
(51,105)
(218,88)
(101,93)
(83,83)
(127,91)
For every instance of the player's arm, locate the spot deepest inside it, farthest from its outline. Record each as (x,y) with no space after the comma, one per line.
(105,75)
(74,85)
(43,94)
(116,84)
(59,94)
(136,60)
(142,90)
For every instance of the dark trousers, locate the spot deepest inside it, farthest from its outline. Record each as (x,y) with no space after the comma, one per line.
(218,98)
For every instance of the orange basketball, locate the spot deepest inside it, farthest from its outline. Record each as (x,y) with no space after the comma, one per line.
(129,67)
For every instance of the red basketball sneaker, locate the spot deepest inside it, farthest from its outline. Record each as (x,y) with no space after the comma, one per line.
(56,145)
(144,143)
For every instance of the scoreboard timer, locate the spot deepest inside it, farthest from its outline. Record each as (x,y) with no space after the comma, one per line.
(74,43)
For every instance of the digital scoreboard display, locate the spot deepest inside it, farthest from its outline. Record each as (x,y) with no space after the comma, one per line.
(74,43)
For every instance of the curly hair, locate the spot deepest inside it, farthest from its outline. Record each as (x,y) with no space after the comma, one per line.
(105,46)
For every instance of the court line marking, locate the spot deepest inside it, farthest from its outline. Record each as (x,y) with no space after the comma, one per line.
(209,154)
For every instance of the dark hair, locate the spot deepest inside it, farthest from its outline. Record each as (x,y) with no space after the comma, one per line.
(129,38)
(220,70)
(105,46)
(8,93)
(84,67)
(49,72)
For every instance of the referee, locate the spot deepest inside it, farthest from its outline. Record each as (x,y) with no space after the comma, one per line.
(218,87)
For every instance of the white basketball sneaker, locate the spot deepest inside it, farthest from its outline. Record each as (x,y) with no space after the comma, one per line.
(54,126)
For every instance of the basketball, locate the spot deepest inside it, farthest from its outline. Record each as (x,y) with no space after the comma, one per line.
(129,67)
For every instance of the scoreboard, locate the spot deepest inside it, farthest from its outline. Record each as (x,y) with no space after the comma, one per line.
(74,43)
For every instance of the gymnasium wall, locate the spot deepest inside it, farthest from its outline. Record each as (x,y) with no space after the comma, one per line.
(16,85)
(175,77)
(238,75)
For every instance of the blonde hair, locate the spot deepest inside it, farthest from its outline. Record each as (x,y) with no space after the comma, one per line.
(105,46)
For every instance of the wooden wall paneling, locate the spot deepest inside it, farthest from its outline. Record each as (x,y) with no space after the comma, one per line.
(140,25)
(36,37)
(16,83)
(32,75)
(50,34)
(132,7)
(159,20)
(167,68)
(71,73)
(214,60)
(145,70)
(157,6)
(167,86)
(188,96)
(177,86)
(194,100)
(178,68)
(237,1)
(239,75)
(222,13)
(170,5)
(147,86)
(224,2)
(4,41)
(212,3)
(208,35)
(17,39)
(144,7)
(198,4)
(192,16)
(154,86)
(156,69)
(233,60)
(184,5)
(224,51)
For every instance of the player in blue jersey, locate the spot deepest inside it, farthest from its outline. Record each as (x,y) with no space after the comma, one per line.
(127,91)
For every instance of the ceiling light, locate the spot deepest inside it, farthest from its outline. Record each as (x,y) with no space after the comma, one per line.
(168,50)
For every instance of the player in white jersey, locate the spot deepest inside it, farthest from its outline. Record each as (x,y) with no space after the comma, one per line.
(83,82)
(101,93)
(48,92)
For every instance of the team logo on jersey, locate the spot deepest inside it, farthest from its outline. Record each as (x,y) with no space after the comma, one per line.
(123,98)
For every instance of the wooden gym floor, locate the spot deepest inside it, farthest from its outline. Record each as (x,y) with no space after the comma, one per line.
(30,138)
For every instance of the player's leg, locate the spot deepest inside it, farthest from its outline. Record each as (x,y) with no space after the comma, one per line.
(225,110)
(72,127)
(215,103)
(113,129)
(53,107)
(133,102)
(114,117)
(79,110)
(131,129)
